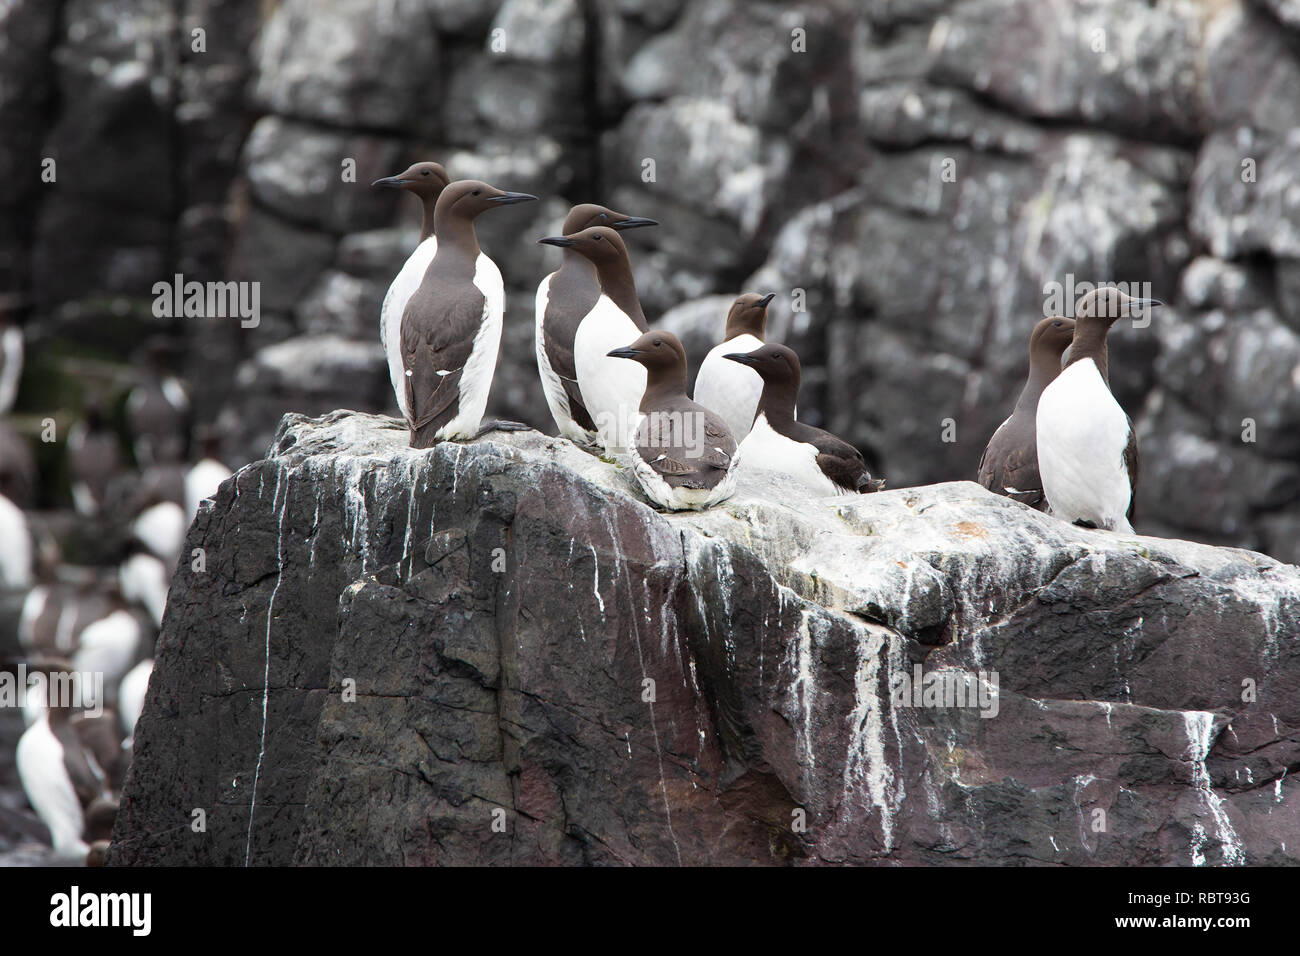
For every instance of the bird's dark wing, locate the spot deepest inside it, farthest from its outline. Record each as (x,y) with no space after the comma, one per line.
(1131,466)
(438,330)
(692,449)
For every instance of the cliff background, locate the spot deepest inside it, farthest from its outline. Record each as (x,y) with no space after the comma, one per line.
(795,147)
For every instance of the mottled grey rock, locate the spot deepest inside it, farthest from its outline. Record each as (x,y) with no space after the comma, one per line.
(1243,194)
(350,63)
(530,643)
(297,170)
(285,258)
(1211,484)
(1125,64)
(1234,366)
(544,32)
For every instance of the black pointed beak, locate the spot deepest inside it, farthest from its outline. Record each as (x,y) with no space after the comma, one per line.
(762,303)
(509,199)
(1139,305)
(393,181)
(742,358)
(634,222)
(627,353)
(562,241)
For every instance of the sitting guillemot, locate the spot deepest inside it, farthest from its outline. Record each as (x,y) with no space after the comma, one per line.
(426,182)
(564,299)
(1087,449)
(1009,465)
(778,443)
(685,457)
(451,327)
(730,391)
(610,390)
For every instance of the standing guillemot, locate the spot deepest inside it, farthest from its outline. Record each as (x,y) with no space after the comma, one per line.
(93,460)
(1087,449)
(564,299)
(451,327)
(685,457)
(425,181)
(1009,465)
(11,364)
(15,547)
(816,458)
(157,410)
(730,391)
(17,467)
(204,478)
(610,390)
(58,773)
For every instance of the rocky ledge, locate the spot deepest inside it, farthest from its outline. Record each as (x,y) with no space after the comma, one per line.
(498,653)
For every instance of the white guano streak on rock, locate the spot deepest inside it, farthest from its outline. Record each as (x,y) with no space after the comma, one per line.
(1200,725)
(266,672)
(865,761)
(636,635)
(803,690)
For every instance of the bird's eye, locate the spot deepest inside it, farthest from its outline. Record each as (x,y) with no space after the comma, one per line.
(476,192)
(658,343)
(599,238)
(424,172)
(1056,325)
(603,216)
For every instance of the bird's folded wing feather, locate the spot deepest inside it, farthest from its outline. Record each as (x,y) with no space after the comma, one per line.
(434,354)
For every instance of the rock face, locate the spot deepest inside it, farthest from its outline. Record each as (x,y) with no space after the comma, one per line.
(498,653)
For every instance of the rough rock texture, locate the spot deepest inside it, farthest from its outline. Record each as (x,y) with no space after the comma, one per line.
(531,645)
(798,148)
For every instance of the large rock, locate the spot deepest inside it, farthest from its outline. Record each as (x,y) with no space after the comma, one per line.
(546,670)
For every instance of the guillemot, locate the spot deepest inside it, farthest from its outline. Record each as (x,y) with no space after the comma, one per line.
(1087,449)
(58,773)
(157,410)
(426,182)
(94,460)
(611,390)
(1009,465)
(451,327)
(11,364)
(778,443)
(564,299)
(730,390)
(684,456)
(206,475)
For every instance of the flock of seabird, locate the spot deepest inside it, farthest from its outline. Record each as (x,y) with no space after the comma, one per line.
(1068,448)
(613,385)
(96,630)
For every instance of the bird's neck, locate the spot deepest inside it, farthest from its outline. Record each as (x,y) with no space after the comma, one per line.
(663,384)
(428,204)
(457,232)
(617,283)
(1090,343)
(777,402)
(742,326)
(1041,374)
